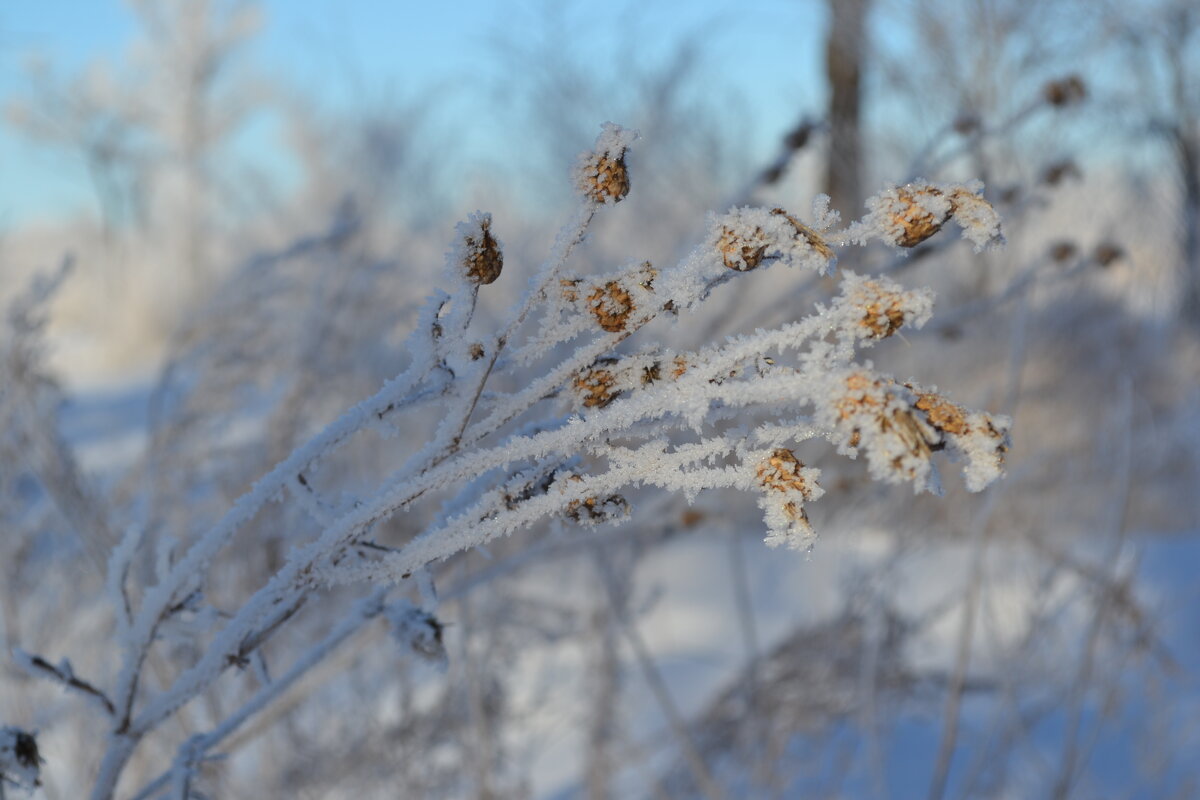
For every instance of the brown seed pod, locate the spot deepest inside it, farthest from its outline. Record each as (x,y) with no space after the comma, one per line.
(781,473)
(967,123)
(883,313)
(1059,171)
(597,509)
(742,253)
(859,382)
(1063,251)
(916,223)
(942,414)
(607,178)
(611,304)
(597,386)
(481,256)
(883,321)
(1065,92)
(1107,252)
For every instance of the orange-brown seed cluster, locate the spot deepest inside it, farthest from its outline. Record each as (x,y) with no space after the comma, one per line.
(608,179)
(916,223)
(482,258)
(597,386)
(611,304)
(781,473)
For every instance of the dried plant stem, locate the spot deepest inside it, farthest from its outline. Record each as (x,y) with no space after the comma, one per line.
(1118,513)
(364,611)
(657,685)
(966,632)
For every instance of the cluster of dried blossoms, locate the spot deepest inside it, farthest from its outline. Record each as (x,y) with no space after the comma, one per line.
(653,417)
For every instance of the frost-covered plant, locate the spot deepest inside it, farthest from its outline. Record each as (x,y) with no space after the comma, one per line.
(20,764)
(561,413)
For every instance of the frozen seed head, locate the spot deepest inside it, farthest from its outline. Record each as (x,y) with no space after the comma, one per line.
(967,123)
(611,304)
(477,252)
(1062,251)
(942,414)
(744,237)
(787,485)
(917,213)
(977,438)
(1059,171)
(907,215)
(602,175)
(901,426)
(978,219)
(880,306)
(597,386)
(1065,92)
(875,415)
(742,249)
(1107,253)
(783,472)
(595,510)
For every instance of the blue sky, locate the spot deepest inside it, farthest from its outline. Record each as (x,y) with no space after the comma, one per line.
(339,50)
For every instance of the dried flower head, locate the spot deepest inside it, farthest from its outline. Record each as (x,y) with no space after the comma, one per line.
(978,219)
(611,304)
(967,123)
(1059,171)
(907,215)
(602,174)
(901,426)
(880,307)
(477,252)
(744,237)
(787,485)
(942,414)
(783,472)
(917,214)
(875,414)
(1106,253)
(1061,251)
(597,386)
(594,510)
(1065,92)
(742,250)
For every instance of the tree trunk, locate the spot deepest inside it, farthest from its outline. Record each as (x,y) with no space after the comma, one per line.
(844,53)
(1188,152)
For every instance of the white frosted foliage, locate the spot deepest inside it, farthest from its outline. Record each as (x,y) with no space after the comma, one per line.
(564,414)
